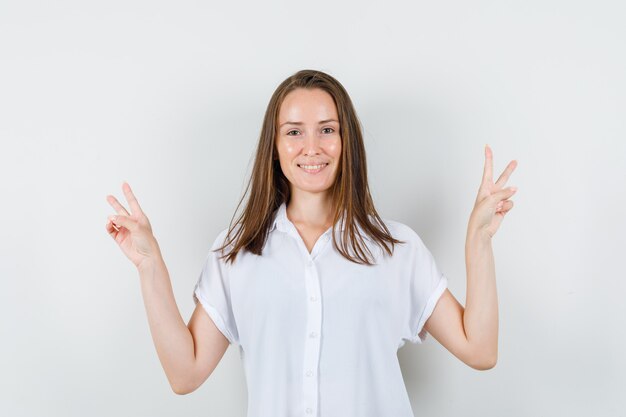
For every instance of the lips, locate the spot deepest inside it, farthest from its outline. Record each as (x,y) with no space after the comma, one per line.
(313,171)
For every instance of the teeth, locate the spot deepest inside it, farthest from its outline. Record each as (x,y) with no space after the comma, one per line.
(313,167)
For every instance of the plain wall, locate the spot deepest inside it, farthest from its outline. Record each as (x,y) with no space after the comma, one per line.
(170,97)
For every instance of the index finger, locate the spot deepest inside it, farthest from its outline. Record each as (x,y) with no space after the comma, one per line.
(504,177)
(132,201)
(117,206)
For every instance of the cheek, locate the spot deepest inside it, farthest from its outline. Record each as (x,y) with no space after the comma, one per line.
(334,148)
(290,149)
(286,149)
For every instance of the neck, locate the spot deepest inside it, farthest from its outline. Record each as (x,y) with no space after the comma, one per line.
(311,210)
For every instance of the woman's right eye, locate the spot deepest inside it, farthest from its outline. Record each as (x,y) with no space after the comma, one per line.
(288,133)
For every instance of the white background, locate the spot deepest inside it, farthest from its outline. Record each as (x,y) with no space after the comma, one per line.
(170,96)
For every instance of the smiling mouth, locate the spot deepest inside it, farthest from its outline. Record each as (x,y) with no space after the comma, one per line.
(313,169)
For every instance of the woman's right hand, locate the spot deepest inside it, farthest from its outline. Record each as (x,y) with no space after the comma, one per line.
(132,231)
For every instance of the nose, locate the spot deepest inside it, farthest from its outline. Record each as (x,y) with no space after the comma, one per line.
(312,145)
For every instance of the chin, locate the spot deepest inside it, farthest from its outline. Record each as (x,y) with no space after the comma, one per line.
(310,188)
(313,189)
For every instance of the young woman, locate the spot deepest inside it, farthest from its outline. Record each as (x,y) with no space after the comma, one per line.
(317,290)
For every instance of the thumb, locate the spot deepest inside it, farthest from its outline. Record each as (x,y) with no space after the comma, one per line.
(124,221)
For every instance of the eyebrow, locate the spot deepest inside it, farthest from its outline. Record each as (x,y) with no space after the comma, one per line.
(301,123)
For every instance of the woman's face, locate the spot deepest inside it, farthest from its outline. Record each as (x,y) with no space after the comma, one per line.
(308,140)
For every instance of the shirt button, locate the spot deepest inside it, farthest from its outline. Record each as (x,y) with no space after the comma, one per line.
(310,373)
(313,298)
(309,410)
(313,334)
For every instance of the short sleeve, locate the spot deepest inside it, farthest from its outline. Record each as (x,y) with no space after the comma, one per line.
(426,285)
(213,291)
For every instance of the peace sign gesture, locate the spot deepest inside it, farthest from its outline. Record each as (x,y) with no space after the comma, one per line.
(492,202)
(132,231)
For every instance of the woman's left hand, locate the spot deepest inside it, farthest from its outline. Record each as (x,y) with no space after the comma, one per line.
(492,202)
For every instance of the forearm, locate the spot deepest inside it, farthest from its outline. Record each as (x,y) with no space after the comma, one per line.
(172,339)
(480,318)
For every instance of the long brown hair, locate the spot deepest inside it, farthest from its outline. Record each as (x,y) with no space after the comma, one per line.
(349,193)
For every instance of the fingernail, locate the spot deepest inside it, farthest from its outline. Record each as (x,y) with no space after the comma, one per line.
(513,188)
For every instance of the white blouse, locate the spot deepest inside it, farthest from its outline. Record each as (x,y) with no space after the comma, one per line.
(318,335)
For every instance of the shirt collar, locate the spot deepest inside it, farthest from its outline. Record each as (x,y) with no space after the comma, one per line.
(282,222)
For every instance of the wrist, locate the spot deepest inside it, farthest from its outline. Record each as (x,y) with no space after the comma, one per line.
(149,265)
(477,236)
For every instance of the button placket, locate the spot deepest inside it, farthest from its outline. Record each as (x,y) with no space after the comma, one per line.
(313,339)
(314,321)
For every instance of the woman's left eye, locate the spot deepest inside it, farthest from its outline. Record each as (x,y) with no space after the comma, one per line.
(330,128)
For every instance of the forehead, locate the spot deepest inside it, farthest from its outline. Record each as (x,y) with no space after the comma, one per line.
(307,104)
